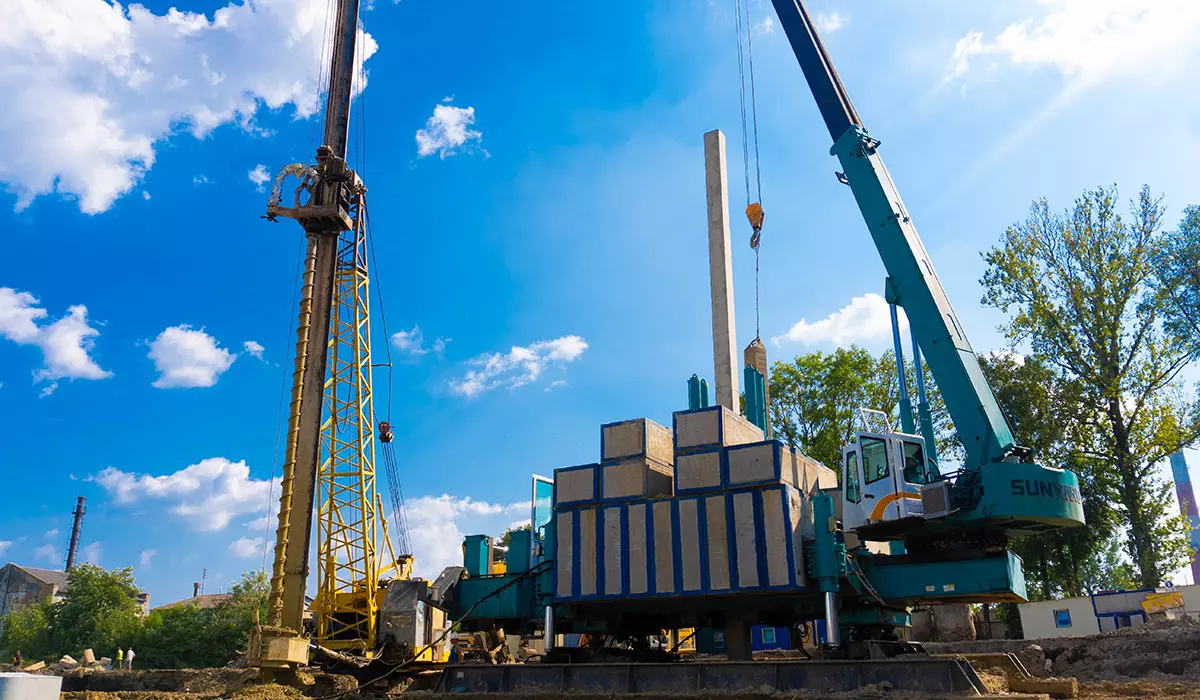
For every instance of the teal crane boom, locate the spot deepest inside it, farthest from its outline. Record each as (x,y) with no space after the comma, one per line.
(912,281)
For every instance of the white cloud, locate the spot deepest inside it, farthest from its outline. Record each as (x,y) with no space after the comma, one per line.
(767,26)
(94,86)
(828,22)
(438,524)
(200,180)
(187,358)
(446,132)
(208,495)
(51,533)
(66,344)
(91,553)
(145,195)
(254,349)
(519,366)
(146,556)
(246,547)
(865,318)
(1088,41)
(4,545)
(555,384)
(259,176)
(413,342)
(48,553)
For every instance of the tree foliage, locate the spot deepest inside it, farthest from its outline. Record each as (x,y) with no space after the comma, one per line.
(1081,289)
(1178,268)
(99,611)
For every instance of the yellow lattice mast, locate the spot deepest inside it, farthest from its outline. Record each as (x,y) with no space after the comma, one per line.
(345,607)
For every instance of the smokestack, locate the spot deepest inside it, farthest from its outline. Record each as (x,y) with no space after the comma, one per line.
(1187,506)
(196,589)
(75,529)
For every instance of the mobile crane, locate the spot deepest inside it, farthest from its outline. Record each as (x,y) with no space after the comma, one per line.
(955,527)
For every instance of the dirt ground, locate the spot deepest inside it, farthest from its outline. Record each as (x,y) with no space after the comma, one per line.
(1158,660)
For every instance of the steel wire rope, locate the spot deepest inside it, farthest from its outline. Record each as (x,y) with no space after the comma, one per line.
(750,129)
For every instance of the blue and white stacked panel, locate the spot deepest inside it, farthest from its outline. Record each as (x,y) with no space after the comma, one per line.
(635,477)
(700,471)
(575,486)
(640,437)
(712,427)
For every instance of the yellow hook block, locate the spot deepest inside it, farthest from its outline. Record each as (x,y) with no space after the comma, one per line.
(755,214)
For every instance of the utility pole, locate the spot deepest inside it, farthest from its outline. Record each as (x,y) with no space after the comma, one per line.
(73,548)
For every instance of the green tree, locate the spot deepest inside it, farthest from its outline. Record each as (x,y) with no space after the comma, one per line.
(99,611)
(27,629)
(1178,267)
(506,539)
(1082,292)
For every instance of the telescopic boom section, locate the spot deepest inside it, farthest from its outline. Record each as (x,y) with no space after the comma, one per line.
(912,281)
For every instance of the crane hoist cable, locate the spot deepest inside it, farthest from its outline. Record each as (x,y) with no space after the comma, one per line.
(754,210)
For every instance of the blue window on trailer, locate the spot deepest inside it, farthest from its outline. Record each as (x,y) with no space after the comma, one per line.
(1062,618)
(768,635)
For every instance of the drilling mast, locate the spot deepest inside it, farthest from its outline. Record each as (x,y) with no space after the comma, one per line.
(329,459)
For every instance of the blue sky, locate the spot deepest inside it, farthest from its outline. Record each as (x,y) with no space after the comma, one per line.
(555,224)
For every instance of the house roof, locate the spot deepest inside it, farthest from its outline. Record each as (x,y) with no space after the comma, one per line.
(47,576)
(206,601)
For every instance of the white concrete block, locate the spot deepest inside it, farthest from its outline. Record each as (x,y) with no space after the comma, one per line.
(769,462)
(28,686)
(640,437)
(745,539)
(636,477)
(613,559)
(588,553)
(717,533)
(639,548)
(576,485)
(698,471)
(664,547)
(715,426)
(565,553)
(689,545)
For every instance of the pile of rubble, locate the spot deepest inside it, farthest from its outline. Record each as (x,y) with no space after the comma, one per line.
(69,663)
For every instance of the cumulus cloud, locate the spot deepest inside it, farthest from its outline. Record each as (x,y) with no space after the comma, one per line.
(828,22)
(200,179)
(246,547)
(93,86)
(51,533)
(438,524)
(253,349)
(413,342)
(188,358)
(767,26)
(448,132)
(91,553)
(146,556)
(519,366)
(4,545)
(865,318)
(208,495)
(259,176)
(66,344)
(47,552)
(1087,41)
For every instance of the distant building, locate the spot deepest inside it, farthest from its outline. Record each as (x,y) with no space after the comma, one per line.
(1102,612)
(206,601)
(22,585)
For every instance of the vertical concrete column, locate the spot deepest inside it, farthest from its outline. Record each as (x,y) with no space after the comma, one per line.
(738,642)
(720,270)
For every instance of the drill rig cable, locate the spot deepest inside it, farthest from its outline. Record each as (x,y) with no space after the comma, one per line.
(754,210)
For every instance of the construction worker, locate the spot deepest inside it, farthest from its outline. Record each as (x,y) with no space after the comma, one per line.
(455,656)
(129,659)
(120,658)
(17,660)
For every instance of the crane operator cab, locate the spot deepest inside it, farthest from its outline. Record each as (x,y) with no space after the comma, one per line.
(883,472)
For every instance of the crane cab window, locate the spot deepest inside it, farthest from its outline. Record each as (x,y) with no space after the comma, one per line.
(914,463)
(875,461)
(850,481)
